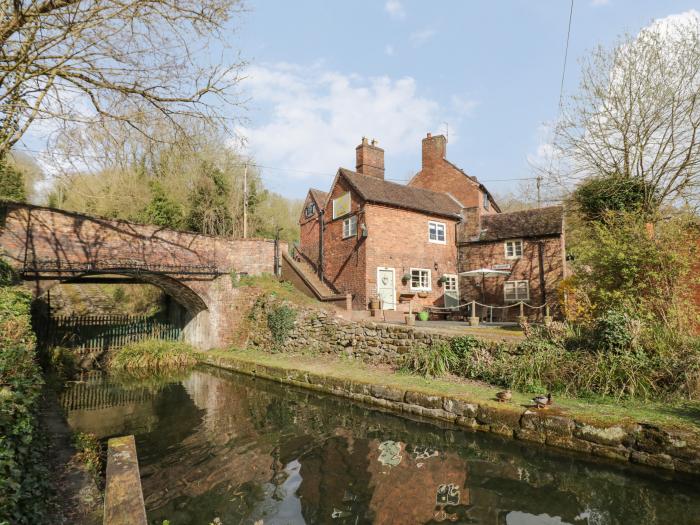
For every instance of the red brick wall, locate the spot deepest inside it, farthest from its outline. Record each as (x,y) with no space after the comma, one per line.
(344,259)
(473,256)
(437,174)
(308,237)
(399,239)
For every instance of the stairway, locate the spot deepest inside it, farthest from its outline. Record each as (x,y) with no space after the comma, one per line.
(303,276)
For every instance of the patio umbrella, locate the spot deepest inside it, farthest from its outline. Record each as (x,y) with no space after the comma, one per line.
(484,272)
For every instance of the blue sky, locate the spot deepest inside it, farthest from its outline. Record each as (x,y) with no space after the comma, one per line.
(322,74)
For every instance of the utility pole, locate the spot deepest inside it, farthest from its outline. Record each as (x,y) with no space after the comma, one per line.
(245,201)
(539,196)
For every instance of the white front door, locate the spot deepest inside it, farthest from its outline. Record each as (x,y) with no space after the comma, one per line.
(386,289)
(451,291)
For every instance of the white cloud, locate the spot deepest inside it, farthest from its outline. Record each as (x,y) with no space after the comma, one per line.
(395,9)
(313,119)
(463,106)
(421,37)
(389,50)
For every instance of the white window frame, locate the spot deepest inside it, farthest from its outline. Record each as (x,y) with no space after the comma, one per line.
(437,225)
(517,297)
(513,243)
(421,287)
(350,227)
(448,277)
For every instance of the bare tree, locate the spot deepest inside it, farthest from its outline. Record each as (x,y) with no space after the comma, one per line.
(637,115)
(98,60)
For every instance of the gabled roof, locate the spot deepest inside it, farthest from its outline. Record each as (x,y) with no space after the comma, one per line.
(319,197)
(476,181)
(539,222)
(373,189)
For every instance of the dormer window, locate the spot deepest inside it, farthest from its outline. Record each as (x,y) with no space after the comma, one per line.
(514,249)
(310,210)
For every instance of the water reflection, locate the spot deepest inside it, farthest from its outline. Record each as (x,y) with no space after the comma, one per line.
(215,444)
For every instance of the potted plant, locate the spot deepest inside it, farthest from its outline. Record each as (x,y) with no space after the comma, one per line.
(405,278)
(423,315)
(374,303)
(410,319)
(442,280)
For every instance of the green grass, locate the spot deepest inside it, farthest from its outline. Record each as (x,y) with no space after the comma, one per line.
(685,415)
(153,354)
(268,284)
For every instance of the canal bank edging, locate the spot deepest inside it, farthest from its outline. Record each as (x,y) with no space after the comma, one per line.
(124,503)
(640,443)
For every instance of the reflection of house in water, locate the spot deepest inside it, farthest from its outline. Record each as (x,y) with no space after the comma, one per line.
(423,485)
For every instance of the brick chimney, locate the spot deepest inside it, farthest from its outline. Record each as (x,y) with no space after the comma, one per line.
(369,159)
(434,150)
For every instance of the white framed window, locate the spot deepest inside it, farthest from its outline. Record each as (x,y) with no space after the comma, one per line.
(342,205)
(420,279)
(436,232)
(350,227)
(514,249)
(516,291)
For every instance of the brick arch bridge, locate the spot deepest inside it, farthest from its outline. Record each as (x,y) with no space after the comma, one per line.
(47,246)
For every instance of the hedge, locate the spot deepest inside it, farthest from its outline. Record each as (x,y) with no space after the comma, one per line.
(23,476)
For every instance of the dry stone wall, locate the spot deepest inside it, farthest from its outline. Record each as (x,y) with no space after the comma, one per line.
(322,331)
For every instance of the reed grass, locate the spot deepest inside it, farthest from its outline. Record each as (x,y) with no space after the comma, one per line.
(153,354)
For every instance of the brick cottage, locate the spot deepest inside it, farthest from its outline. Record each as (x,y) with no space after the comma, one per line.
(404,245)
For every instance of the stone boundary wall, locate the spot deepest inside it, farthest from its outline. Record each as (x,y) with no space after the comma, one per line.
(317,330)
(637,443)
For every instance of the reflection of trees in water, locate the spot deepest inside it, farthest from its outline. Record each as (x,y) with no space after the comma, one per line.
(235,447)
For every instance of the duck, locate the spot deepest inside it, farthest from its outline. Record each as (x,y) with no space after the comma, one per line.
(542,401)
(504,396)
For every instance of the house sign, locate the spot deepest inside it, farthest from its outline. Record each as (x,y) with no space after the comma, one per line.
(501,267)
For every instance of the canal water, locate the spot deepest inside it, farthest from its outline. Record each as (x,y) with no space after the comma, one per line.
(214,444)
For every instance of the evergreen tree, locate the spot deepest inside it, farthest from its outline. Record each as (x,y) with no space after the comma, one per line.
(11,183)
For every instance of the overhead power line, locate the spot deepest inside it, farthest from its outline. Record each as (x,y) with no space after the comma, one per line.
(245,165)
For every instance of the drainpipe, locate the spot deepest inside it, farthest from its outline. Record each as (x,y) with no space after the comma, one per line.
(321,213)
(543,288)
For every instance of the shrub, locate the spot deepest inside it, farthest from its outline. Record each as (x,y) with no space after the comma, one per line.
(280,321)
(119,295)
(23,478)
(430,361)
(153,354)
(614,331)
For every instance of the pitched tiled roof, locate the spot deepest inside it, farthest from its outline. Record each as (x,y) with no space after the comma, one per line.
(540,222)
(319,196)
(373,189)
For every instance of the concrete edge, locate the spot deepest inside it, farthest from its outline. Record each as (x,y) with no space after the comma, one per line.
(637,443)
(124,503)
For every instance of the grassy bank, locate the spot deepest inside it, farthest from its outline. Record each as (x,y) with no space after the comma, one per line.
(596,410)
(152,354)
(23,475)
